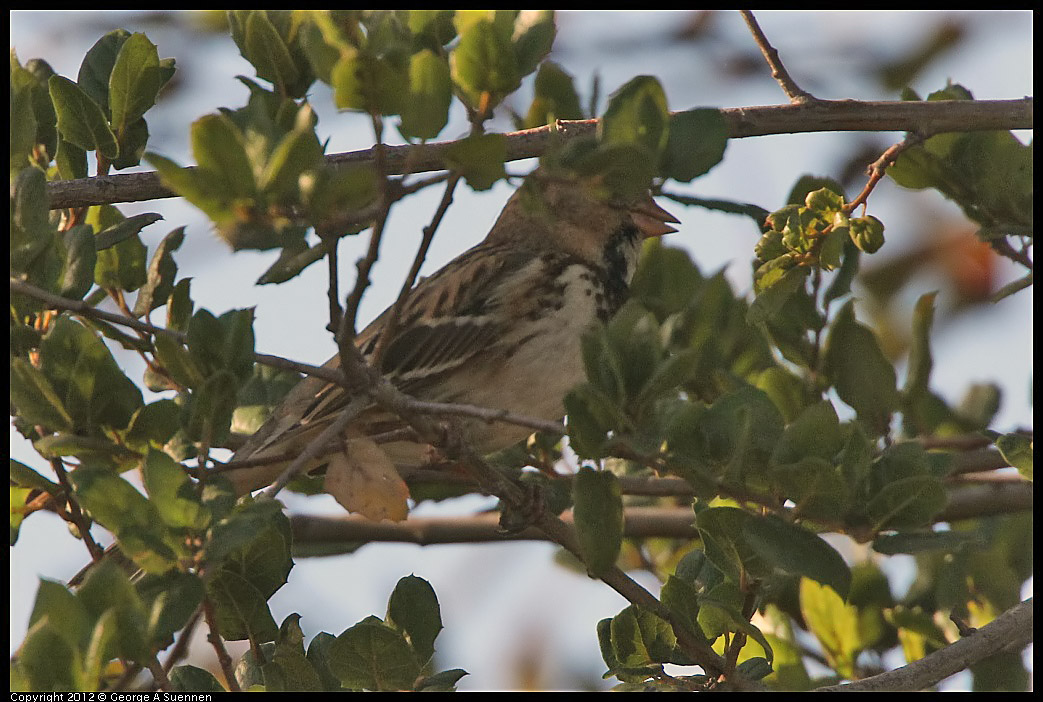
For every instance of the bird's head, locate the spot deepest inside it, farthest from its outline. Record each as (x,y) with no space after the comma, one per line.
(563,211)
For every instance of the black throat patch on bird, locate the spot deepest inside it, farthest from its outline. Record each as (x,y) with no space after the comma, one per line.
(620,258)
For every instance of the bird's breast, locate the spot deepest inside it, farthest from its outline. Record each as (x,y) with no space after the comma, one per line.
(538,360)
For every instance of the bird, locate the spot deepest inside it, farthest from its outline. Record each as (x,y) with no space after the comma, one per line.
(499,326)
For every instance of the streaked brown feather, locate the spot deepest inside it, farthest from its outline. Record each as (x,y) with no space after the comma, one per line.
(463,327)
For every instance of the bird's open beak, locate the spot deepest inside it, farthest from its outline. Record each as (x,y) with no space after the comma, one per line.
(652,219)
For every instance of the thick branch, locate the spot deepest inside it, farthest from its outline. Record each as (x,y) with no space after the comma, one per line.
(817,116)
(1011,631)
(639,522)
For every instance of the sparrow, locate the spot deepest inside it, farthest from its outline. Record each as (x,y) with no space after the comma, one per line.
(499,327)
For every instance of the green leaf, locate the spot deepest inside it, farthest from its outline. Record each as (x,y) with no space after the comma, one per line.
(533,42)
(867,233)
(121,228)
(682,599)
(372,656)
(102,648)
(292,261)
(591,416)
(108,592)
(1017,451)
(833,623)
(85,375)
(319,657)
(640,638)
(178,362)
(80,258)
(240,608)
(365,82)
(204,189)
(179,306)
(776,285)
(920,361)
(96,67)
(252,542)
(287,669)
(172,492)
(117,506)
(170,600)
(121,262)
(298,152)
(36,399)
(259,395)
(220,150)
(696,143)
(796,550)
(269,54)
(723,530)
(413,608)
(40,126)
(816,486)
(207,416)
(80,119)
(425,110)
(484,62)
(858,369)
(598,514)
(908,502)
(205,339)
(153,424)
(189,678)
(47,660)
(134,82)
(92,449)
(637,114)
(815,433)
(56,603)
(161,273)
(70,159)
(444,681)
(332,191)
(479,158)
(24,476)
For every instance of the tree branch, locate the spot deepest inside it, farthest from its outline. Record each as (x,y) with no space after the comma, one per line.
(639,522)
(818,116)
(1011,631)
(794,92)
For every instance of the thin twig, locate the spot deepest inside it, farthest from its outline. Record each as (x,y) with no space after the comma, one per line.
(180,649)
(487,413)
(391,325)
(75,514)
(794,92)
(333,291)
(214,637)
(316,446)
(1010,631)
(159,675)
(347,325)
(878,169)
(761,120)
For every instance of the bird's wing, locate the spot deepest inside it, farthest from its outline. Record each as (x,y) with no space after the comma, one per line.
(447,319)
